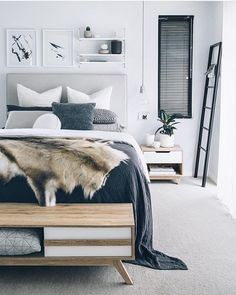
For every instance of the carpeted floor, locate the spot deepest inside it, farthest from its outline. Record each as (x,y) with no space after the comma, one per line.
(189,223)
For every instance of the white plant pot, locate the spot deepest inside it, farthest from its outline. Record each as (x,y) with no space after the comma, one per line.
(150,139)
(87,34)
(167,141)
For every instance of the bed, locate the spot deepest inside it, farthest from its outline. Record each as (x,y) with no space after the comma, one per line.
(125,182)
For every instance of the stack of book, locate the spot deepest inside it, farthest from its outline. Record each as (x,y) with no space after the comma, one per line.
(156,170)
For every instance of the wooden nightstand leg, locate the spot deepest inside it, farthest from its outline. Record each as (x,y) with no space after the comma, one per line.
(122,271)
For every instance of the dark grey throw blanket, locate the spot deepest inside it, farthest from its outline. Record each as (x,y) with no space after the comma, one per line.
(125,184)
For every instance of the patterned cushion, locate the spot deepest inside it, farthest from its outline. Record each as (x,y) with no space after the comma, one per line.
(19,241)
(102,116)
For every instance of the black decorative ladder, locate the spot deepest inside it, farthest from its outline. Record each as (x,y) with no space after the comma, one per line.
(205,108)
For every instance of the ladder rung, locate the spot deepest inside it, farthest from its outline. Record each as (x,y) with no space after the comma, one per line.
(208,108)
(203,149)
(210,86)
(205,128)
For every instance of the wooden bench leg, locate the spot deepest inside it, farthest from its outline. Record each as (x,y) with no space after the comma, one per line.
(122,271)
(177,181)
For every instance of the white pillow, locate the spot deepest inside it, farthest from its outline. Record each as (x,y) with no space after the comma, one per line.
(31,98)
(102,97)
(47,121)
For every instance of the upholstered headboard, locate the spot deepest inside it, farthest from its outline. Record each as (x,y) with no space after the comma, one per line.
(87,83)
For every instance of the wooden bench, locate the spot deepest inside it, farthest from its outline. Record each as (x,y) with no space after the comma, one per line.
(75,234)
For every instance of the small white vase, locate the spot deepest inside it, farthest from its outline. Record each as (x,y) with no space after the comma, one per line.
(167,141)
(150,139)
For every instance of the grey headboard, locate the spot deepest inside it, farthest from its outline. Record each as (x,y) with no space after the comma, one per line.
(87,83)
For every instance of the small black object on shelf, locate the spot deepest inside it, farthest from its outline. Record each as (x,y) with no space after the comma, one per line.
(116,47)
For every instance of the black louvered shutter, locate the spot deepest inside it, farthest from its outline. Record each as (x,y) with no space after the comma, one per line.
(175,65)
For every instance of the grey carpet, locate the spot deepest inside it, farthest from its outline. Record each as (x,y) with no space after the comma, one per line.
(189,222)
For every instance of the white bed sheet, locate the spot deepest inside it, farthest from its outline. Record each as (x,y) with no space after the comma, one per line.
(116,136)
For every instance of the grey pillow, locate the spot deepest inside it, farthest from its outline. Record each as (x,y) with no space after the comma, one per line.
(75,116)
(19,241)
(102,116)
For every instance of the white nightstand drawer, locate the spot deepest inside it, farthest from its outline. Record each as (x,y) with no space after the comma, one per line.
(64,233)
(173,157)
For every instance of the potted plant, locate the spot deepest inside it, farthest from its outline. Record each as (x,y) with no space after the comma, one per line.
(167,129)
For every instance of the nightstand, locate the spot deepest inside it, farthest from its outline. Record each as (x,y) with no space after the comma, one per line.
(164,163)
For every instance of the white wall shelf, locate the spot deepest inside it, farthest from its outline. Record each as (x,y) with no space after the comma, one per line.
(89,47)
(101,55)
(102,39)
(102,62)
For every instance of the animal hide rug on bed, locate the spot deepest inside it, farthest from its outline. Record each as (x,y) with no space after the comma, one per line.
(58,163)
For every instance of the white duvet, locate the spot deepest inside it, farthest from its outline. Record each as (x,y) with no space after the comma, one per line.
(116,136)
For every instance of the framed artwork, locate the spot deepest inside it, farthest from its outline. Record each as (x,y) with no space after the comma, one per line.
(58,48)
(21,49)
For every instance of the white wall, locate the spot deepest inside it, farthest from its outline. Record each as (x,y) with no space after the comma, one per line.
(227,157)
(206,25)
(214,153)
(105,17)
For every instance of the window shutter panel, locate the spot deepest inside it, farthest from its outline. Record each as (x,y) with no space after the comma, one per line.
(175,65)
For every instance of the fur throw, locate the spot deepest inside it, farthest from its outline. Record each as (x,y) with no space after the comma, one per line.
(53,163)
